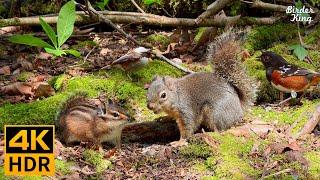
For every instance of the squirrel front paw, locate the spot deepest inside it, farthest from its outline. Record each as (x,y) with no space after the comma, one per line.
(181,142)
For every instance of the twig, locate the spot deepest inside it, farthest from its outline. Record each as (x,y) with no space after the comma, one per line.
(311,124)
(278,173)
(86,57)
(160,56)
(213,9)
(102,18)
(262,5)
(137,6)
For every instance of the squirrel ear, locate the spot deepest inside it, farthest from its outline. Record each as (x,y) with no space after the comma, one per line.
(156,78)
(168,81)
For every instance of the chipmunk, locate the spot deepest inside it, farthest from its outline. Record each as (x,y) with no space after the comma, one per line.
(215,100)
(82,120)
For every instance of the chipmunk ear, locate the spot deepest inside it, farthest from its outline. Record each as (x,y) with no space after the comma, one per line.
(110,101)
(169,82)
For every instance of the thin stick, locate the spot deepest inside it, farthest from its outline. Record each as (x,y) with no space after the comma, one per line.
(137,6)
(160,56)
(310,124)
(278,173)
(102,18)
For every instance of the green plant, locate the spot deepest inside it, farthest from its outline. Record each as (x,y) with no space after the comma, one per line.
(298,49)
(150,2)
(102,4)
(65,25)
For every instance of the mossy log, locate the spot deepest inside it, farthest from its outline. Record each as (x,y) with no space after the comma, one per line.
(151,132)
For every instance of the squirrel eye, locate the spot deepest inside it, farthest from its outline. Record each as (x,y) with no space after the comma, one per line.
(163,95)
(115,114)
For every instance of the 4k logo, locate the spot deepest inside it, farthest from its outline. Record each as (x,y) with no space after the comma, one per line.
(29,150)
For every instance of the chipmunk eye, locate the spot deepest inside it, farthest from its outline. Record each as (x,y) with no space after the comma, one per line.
(115,114)
(163,95)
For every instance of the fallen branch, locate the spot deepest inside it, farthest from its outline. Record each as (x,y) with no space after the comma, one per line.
(213,9)
(102,18)
(268,6)
(311,124)
(144,19)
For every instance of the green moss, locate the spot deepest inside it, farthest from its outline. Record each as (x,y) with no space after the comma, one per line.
(262,37)
(24,76)
(32,178)
(196,149)
(58,81)
(37,112)
(287,116)
(231,160)
(63,167)
(2,176)
(114,82)
(158,39)
(314,164)
(97,160)
(313,37)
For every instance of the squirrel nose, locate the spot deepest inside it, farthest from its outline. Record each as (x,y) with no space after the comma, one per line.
(150,105)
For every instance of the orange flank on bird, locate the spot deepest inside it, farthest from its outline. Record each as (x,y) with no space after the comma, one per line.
(292,83)
(315,80)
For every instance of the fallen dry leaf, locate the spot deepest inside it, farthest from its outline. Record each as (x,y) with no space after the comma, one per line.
(44,56)
(293,156)
(42,89)
(25,64)
(247,129)
(245,55)
(57,148)
(40,78)
(9,29)
(17,88)
(5,70)
(105,51)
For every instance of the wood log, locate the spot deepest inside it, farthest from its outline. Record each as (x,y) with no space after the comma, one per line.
(151,132)
(144,19)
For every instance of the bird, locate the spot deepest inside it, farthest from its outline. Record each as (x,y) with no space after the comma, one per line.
(133,59)
(286,77)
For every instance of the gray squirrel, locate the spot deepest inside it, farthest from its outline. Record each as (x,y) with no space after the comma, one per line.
(216,100)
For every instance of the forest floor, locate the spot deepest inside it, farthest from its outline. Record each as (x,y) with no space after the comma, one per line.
(263,146)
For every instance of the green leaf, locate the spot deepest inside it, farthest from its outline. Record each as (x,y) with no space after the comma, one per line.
(299,6)
(49,31)
(150,2)
(73,52)
(102,4)
(56,52)
(30,40)
(65,24)
(299,51)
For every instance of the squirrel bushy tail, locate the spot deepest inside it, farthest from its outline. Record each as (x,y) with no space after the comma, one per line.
(223,56)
